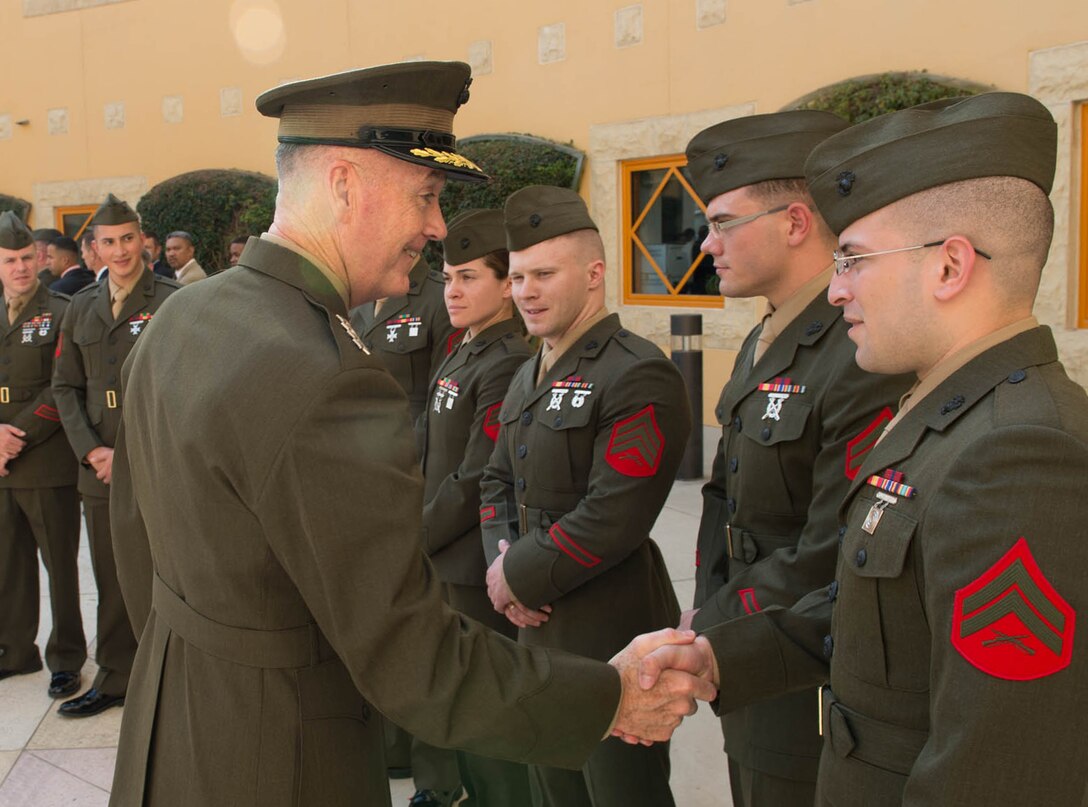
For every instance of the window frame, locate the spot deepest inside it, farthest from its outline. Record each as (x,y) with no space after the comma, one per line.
(672,163)
(74,210)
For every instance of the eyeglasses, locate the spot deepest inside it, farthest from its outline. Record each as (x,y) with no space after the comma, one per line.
(844,263)
(720,227)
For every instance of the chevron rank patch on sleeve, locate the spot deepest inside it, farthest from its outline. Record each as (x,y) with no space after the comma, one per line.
(1011,623)
(636,444)
(491,421)
(858,448)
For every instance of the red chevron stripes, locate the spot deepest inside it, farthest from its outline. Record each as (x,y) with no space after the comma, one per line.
(487,513)
(748,600)
(491,421)
(567,544)
(636,444)
(47,413)
(1011,623)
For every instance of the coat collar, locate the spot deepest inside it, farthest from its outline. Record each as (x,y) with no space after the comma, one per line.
(143,291)
(955,396)
(591,344)
(808,328)
(291,268)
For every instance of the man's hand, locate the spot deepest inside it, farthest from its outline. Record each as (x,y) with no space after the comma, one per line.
(11,442)
(4,468)
(101,459)
(503,600)
(686,618)
(650,712)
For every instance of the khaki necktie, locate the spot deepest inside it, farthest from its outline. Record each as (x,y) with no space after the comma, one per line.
(378,306)
(118,301)
(15,307)
(764,340)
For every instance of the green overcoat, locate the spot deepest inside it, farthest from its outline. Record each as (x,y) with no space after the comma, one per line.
(268,495)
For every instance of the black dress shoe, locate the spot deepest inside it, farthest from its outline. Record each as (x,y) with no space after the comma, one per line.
(434,798)
(33,668)
(90,703)
(64,683)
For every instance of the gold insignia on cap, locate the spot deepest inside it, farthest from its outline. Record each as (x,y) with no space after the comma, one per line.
(447,157)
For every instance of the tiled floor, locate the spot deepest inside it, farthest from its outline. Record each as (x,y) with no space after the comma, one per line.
(47,760)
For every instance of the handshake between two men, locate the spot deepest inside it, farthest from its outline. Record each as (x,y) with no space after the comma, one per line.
(663,673)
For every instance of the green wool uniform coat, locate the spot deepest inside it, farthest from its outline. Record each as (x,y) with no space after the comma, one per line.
(39,506)
(92,349)
(460,428)
(281,586)
(956,676)
(584,462)
(412,334)
(769,530)
(87,371)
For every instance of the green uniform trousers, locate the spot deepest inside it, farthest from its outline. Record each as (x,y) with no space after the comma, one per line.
(488,782)
(42,520)
(754,788)
(116,647)
(616,775)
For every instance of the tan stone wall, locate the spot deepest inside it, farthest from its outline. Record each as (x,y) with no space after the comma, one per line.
(107,94)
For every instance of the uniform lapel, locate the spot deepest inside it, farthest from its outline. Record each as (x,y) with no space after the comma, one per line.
(102,305)
(591,343)
(143,291)
(955,397)
(806,329)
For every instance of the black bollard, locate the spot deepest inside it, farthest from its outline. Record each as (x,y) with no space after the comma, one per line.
(687,355)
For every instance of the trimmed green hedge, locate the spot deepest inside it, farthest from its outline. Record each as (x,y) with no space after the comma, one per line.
(513,161)
(866,97)
(21,207)
(215,205)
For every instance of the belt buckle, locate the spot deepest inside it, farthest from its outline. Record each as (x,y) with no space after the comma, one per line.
(729,539)
(5,394)
(523,519)
(111,399)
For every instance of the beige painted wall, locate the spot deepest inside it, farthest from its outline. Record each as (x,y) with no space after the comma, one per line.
(627,80)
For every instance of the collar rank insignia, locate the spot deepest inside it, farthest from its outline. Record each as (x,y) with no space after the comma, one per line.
(889,487)
(393,326)
(446,389)
(777,392)
(352,334)
(1011,622)
(574,384)
(137,323)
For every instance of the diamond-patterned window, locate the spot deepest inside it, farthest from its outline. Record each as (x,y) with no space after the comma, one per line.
(664,222)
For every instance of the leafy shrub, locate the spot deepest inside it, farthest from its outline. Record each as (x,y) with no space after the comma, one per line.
(513,161)
(866,97)
(214,205)
(21,207)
